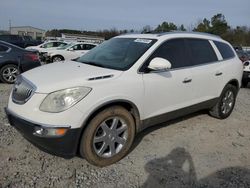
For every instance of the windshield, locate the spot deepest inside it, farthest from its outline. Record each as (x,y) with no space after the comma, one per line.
(63,46)
(117,53)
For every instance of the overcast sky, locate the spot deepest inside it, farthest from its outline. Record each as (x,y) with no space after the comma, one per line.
(126,14)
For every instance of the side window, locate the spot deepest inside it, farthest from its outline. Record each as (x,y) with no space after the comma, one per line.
(201,51)
(3,48)
(77,47)
(88,46)
(48,45)
(56,44)
(225,50)
(174,51)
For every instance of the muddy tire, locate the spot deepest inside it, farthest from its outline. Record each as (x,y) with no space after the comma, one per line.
(108,136)
(225,104)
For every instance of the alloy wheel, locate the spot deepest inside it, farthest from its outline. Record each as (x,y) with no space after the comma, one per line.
(9,74)
(227,102)
(110,137)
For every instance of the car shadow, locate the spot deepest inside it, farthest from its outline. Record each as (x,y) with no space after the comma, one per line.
(153,128)
(170,172)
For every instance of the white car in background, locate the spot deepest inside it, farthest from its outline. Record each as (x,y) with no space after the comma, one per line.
(47,45)
(69,52)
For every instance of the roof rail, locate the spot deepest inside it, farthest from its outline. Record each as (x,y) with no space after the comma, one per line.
(192,32)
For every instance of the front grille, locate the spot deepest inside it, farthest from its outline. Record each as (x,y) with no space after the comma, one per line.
(22,90)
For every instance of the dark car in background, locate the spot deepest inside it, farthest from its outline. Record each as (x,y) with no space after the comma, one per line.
(21,41)
(29,41)
(14,39)
(15,60)
(242,55)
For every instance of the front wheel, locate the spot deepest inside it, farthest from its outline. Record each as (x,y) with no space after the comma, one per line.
(108,137)
(225,104)
(57,58)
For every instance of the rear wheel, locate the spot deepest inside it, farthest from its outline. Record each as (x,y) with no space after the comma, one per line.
(108,137)
(226,102)
(8,73)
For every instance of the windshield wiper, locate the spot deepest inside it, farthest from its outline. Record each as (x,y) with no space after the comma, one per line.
(92,63)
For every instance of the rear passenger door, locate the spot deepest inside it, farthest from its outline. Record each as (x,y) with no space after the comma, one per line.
(205,70)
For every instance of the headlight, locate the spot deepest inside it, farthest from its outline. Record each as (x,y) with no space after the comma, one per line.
(62,100)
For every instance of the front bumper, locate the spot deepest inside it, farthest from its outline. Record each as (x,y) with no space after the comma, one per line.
(65,146)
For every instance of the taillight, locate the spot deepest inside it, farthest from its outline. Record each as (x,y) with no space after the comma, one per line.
(31,57)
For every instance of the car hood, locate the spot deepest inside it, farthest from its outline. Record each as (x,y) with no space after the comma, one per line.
(66,74)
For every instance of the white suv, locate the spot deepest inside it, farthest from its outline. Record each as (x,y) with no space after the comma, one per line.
(97,105)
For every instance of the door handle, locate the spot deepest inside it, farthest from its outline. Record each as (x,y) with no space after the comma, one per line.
(187,80)
(218,73)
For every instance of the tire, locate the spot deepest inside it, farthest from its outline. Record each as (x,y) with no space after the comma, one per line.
(57,58)
(98,138)
(225,104)
(8,73)
(244,83)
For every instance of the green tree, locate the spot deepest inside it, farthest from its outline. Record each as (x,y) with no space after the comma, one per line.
(203,26)
(166,27)
(219,25)
(182,28)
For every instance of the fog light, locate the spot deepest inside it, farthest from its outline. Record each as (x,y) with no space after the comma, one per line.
(49,132)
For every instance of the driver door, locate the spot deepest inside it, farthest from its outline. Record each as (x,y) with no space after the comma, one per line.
(169,90)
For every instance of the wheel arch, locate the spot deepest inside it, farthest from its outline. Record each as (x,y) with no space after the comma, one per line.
(128,105)
(235,83)
(8,63)
(57,55)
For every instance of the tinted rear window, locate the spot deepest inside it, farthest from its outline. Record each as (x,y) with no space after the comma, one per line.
(201,51)
(225,50)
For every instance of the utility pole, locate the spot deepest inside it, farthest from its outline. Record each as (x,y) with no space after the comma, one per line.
(10,25)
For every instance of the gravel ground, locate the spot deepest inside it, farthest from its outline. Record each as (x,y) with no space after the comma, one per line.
(193,151)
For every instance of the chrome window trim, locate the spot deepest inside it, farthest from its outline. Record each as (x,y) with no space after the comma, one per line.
(191,66)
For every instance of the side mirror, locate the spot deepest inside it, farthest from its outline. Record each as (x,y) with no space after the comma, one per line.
(159,64)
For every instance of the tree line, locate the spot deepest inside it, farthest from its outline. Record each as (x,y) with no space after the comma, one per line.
(217,25)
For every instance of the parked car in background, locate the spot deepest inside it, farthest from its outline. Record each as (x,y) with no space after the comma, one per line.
(95,106)
(242,55)
(21,41)
(45,47)
(14,39)
(30,41)
(48,45)
(69,52)
(246,73)
(15,60)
